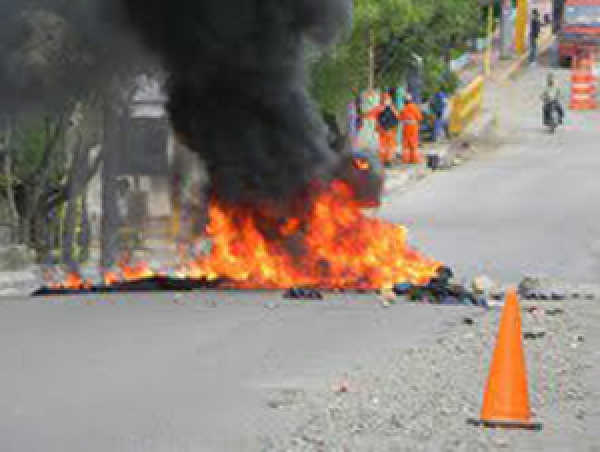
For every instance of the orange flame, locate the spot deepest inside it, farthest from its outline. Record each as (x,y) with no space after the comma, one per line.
(362,164)
(336,246)
(341,248)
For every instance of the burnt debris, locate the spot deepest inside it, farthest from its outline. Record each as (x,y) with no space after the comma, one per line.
(440,290)
(154,284)
(303,294)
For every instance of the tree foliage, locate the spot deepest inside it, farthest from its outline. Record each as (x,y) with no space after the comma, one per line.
(395,30)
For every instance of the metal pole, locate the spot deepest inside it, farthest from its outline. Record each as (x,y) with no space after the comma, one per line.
(371,44)
(490,37)
(505,28)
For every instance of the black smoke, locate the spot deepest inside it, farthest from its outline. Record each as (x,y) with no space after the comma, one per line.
(54,52)
(236,70)
(237,88)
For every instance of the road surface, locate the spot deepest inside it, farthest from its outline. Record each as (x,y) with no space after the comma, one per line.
(155,373)
(529,208)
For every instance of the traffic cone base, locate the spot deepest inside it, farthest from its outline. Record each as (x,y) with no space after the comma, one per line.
(513,425)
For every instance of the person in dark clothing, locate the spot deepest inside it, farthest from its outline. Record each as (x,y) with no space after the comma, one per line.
(552,98)
(440,106)
(535,27)
(359,119)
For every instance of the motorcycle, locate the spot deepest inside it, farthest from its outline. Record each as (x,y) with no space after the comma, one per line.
(551,116)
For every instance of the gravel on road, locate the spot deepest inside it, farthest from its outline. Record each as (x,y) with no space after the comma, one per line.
(420,399)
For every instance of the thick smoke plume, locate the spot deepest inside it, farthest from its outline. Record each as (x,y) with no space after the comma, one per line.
(55,51)
(237,89)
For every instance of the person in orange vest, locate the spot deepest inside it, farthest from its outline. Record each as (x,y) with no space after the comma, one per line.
(387,123)
(411,116)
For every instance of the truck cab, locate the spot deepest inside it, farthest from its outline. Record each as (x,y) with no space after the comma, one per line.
(579,29)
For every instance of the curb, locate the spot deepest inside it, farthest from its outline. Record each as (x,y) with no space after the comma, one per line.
(19,283)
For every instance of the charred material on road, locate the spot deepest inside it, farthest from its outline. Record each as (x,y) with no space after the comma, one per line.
(440,290)
(153,284)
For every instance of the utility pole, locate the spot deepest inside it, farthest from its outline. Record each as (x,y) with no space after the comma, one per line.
(112,146)
(371,45)
(490,38)
(505,28)
(6,149)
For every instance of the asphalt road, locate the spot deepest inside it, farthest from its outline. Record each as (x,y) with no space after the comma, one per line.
(527,208)
(155,373)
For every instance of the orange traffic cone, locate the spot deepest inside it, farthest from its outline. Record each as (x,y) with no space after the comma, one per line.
(506,400)
(583,85)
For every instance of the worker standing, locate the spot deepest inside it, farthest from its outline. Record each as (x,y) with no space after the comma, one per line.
(387,122)
(411,117)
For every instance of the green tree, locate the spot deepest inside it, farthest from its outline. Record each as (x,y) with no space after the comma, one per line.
(46,165)
(354,62)
(385,36)
(60,56)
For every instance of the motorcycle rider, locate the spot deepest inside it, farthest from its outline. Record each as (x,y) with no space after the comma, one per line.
(552,100)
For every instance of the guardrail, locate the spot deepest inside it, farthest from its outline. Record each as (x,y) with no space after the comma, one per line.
(465,106)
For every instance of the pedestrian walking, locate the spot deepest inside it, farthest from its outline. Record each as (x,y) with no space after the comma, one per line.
(411,117)
(535,27)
